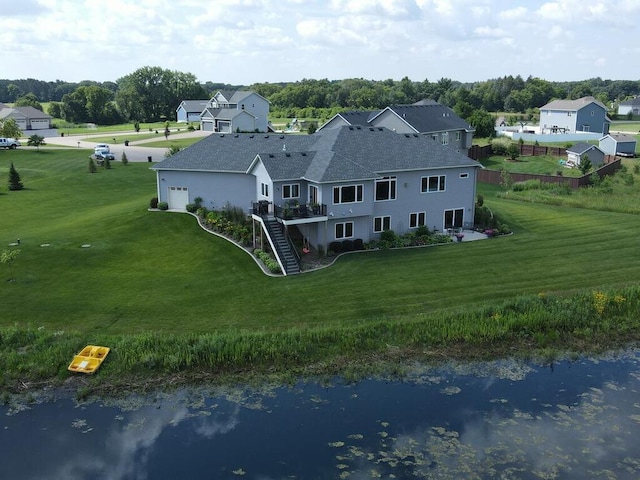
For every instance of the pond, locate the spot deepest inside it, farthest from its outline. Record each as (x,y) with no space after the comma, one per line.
(570,420)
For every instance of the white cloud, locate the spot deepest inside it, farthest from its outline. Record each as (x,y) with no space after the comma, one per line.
(247,41)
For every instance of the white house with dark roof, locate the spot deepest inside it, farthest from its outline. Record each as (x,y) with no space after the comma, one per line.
(585,114)
(629,106)
(426,117)
(190,110)
(235,111)
(27,118)
(338,184)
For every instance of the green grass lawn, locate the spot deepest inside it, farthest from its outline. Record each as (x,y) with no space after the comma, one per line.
(541,165)
(158,271)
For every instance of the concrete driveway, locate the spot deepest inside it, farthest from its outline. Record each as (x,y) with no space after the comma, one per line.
(136,151)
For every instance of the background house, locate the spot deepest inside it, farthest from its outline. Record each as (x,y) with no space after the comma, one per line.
(575,153)
(27,118)
(618,144)
(345,183)
(190,110)
(585,114)
(629,106)
(426,117)
(235,111)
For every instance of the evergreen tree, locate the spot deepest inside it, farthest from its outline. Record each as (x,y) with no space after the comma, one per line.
(124,159)
(14,179)
(92,166)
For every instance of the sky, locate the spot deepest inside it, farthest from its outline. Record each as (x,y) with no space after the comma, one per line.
(241,42)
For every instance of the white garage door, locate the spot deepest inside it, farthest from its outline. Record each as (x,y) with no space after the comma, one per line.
(178,198)
(39,124)
(207,126)
(224,126)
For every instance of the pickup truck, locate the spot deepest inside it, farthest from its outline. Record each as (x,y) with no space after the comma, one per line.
(9,143)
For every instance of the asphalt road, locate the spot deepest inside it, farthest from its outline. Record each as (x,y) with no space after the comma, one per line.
(136,151)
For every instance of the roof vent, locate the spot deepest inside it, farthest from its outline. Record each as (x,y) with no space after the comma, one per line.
(416,135)
(406,135)
(271,155)
(281,137)
(250,136)
(350,128)
(358,127)
(371,129)
(380,129)
(287,154)
(304,154)
(221,136)
(236,136)
(266,136)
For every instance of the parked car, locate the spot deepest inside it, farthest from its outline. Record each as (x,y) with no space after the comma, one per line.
(9,143)
(99,156)
(101,147)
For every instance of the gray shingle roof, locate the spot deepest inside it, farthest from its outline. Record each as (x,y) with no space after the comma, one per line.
(581,147)
(631,103)
(340,154)
(429,117)
(571,105)
(194,105)
(425,116)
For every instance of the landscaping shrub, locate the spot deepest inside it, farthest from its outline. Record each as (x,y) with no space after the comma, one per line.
(163,205)
(358,244)
(154,202)
(267,260)
(347,245)
(500,145)
(191,207)
(335,247)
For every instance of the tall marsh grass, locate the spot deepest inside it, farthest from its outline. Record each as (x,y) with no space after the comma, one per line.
(589,319)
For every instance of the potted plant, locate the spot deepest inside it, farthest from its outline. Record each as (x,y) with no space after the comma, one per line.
(459,236)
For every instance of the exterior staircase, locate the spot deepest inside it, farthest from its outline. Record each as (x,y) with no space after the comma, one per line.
(283,249)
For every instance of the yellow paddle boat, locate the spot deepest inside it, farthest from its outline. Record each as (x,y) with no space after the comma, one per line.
(89,359)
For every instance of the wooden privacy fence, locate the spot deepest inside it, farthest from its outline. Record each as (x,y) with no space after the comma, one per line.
(477,152)
(494,177)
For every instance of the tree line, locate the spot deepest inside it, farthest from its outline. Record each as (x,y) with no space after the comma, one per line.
(152,94)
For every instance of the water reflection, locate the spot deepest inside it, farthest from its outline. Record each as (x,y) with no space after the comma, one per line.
(502,419)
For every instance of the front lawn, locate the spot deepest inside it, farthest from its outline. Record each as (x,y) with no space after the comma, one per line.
(159,271)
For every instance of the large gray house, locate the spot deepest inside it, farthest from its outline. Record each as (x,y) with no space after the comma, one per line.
(235,111)
(585,114)
(344,183)
(426,117)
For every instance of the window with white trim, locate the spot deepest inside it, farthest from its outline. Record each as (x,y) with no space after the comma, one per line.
(464,175)
(445,138)
(344,230)
(458,136)
(380,224)
(432,184)
(264,189)
(435,136)
(347,194)
(386,189)
(417,219)
(291,191)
